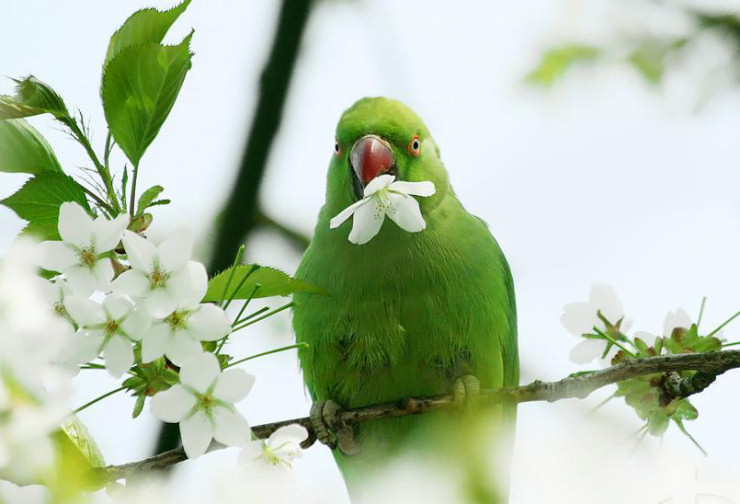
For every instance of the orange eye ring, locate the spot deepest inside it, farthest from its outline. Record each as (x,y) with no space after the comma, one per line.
(337,148)
(415,145)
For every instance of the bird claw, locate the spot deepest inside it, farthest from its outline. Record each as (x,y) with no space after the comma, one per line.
(466,391)
(330,429)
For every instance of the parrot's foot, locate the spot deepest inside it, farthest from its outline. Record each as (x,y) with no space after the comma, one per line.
(466,391)
(330,429)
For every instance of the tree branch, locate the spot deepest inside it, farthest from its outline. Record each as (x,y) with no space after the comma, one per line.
(708,366)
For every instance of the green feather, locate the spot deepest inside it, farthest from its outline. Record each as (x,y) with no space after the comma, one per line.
(407,313)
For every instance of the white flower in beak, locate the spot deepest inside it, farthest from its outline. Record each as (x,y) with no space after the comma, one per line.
(384,196)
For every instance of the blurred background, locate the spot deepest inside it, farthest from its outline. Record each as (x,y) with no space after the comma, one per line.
(599,139)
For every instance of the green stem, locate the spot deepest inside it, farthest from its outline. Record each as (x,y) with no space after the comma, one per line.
(102,170)
(97,399)
(92,365)
(108,148)
(105,206)
(240,321)
(701,311)
(602,403)
(263,317)
(238,287)
(731,344)
(246,303)
(276,350)
(614,342)
(723,324)
(237,260)
(132,198)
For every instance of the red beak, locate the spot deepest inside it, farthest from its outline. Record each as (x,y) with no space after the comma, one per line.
(371,156)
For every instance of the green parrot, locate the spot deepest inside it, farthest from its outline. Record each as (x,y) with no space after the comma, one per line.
(407,314)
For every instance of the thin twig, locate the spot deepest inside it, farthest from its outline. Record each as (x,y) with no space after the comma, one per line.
(572,387)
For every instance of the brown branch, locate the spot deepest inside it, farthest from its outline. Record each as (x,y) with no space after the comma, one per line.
(708,367)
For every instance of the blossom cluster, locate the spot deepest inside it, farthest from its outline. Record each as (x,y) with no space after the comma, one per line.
(34,382)
(602,324)
(130,303)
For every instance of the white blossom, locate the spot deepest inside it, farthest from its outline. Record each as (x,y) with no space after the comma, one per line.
(582,317)
(673,320)
(382,197)
(33,385)
(110,328)
(279,449)
(203,404)
(178,335)
(163,276)
(83,253)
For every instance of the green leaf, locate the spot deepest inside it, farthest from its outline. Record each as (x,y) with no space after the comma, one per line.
(39,199)
(140,86)
(144,26)
(556,61)
(81,438)
(147,197)
(32,97)
(24,150)
(273,283)
(77,457)
(138,406)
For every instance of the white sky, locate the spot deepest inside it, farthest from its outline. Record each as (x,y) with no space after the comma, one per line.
(598,179)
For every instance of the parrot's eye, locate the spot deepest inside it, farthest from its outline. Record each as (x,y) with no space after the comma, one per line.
(415,146)
(337,148)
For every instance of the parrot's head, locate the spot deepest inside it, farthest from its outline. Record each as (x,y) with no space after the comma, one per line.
(377,136)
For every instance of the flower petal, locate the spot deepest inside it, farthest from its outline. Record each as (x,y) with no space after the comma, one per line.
(346,213)
(117,307)
(136,324)
(82,280)
(587,350)
(230,428)
(293,434)
(233,385)
(140,251)
(578,318)
(405,212)
(84,311)
(674,320)
(189,285)
(647,337)
(75,225)
(154,342)
(196,433)
(85,347)
(107,233)
(103,271)
(424,189)
(175,251)
(160,303)
(131,282)
(378,183)
(209,323)
(604,298)
(119,356)
(181,347)
(199,371)
(56,256)
(366,223)
(251,451)
(173,404)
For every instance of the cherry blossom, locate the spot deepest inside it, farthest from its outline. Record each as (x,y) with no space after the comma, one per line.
(203,404)
(83,254)
(384,196)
